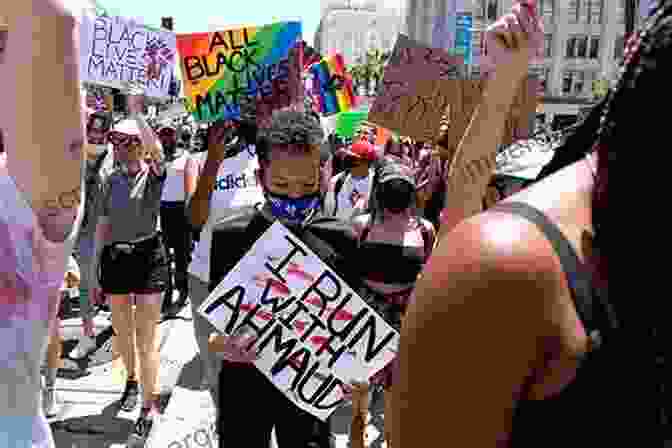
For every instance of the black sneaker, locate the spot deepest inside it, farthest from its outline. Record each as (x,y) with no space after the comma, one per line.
(143,426)
(129,400)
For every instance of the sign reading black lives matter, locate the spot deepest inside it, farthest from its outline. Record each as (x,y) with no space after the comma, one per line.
(312,332)
(115,51)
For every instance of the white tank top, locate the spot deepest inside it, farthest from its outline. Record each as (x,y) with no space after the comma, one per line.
(173,189)
(236,186)
(31,273)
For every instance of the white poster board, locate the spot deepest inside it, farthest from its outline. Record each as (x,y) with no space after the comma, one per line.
(115,51)
(313,333)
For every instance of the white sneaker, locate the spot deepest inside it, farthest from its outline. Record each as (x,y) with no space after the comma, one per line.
(85,346)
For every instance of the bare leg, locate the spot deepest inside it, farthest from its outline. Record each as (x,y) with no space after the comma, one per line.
(148,313)
(123,323)
(389,410)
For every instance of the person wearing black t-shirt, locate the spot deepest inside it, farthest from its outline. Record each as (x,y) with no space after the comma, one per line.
(289,160)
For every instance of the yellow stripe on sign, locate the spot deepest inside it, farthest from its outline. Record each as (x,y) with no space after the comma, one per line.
(224,49)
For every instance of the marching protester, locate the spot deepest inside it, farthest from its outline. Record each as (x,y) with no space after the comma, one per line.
(131,257)
(350,190)
(518,295)
(41,196)
(395,233)
(99,163)
(174,226)
(225,182)
(289,162)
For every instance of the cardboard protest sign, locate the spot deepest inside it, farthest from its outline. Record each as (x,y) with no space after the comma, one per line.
(116,51)
(312,332)
(331,86)
(404,103)
(220,68)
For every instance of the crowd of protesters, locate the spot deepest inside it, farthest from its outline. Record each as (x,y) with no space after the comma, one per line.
(508,335)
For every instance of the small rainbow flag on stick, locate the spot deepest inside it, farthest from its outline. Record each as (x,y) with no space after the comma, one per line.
(332,86)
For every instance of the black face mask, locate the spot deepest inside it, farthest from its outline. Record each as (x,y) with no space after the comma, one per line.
(396,195)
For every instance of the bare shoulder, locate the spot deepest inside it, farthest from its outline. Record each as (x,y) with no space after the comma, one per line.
(488,258)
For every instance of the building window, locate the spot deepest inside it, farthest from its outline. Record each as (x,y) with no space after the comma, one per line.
(546,82)
(492,11)
(582,47)
(593,10)
(546,8)
(594,47)
(620,12)
(578,83)
(571,47)
(619,47)
(548,45)
(573,11)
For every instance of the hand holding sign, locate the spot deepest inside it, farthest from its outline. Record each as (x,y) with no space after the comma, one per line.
(233,348)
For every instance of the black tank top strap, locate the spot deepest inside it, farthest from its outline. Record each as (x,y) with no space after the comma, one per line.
(578,276)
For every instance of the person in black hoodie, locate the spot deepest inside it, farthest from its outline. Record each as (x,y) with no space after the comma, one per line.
(289,161)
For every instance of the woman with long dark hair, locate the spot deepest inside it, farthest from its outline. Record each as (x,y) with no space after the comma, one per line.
(515,300)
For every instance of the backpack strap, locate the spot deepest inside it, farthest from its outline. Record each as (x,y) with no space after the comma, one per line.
(591,307)
(338,186)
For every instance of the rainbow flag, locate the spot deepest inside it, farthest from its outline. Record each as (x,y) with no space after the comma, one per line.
(220,68)
(332,86)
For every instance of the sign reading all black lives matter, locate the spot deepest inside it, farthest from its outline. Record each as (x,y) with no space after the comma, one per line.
(312,332)
(115,51)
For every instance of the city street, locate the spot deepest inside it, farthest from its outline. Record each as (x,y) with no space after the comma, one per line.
(88,416)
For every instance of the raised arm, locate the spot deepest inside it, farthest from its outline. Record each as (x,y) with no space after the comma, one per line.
(474,161)
(199,204)
(150,141)
(42,119)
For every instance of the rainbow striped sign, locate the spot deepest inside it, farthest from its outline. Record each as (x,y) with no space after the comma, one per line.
(331,86)
(219,68)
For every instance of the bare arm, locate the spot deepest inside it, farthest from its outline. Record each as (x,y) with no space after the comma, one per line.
(469,340)
(198,208)
(192,171)
(43,123)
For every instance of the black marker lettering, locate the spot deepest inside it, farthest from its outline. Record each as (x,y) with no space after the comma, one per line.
(324,383)
(316,288)
(224,299)
(275,270)
(371,350)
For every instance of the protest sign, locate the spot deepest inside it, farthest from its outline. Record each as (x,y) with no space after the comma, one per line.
(331,86)
(220,68)
(116,51)
(312,332)
(404,102)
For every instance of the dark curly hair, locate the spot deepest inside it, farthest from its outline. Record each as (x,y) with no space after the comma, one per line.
(300,130)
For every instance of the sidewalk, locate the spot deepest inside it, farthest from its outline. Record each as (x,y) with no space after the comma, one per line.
(90,419)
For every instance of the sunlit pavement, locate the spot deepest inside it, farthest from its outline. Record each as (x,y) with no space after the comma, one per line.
(88,416)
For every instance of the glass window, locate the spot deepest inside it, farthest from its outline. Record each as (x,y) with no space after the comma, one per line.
(594,47)
(480,9)
(579,82)
(573,11)
(548,45)
(492,11)
(582,47)
(571,47)
(619,47)
(595,11)
(620,11)
(567,78)
(546,8)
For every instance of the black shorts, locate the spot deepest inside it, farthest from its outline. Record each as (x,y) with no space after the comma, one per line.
(140,267)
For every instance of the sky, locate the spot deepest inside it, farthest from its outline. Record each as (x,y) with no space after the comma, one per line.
(197,15)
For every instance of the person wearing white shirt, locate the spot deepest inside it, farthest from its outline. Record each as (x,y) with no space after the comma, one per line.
(222,180)
(349,190)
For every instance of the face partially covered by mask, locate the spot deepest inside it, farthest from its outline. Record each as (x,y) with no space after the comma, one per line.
(291,182)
